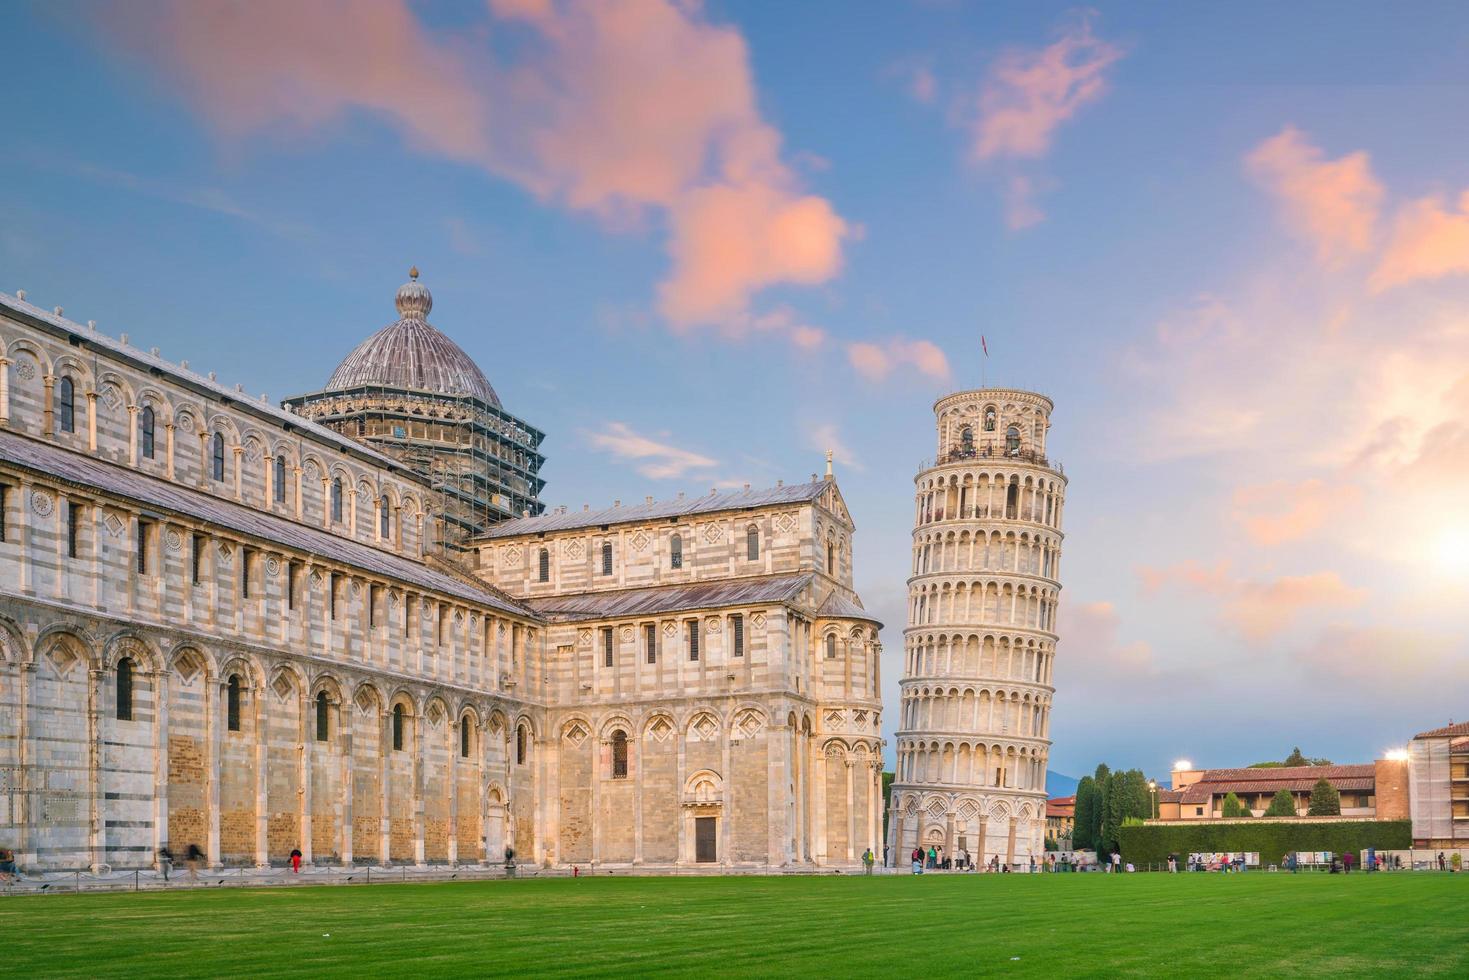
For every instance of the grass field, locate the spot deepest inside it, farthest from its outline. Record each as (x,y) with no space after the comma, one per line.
(842,927)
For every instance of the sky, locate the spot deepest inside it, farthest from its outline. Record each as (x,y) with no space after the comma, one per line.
(700,244)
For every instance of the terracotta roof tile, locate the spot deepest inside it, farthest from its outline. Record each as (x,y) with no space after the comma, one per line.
(1459,728)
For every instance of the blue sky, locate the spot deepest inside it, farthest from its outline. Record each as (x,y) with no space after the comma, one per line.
(1228,240)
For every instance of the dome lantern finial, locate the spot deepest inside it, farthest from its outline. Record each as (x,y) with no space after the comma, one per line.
(414,300)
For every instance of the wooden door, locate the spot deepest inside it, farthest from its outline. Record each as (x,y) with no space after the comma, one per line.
(704,848)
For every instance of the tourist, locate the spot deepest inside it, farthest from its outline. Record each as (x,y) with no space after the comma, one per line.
(1116,862)
(296,860)
(1032,864)
(917,860)
(1346,863)
(8,872)
(867,861)
(1440,861)
(191,860)
(933,858)
(1172,864)
(965,863)
(165,861)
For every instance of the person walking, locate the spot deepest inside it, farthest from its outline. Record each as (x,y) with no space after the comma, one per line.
(296,860)
(1116,863)
(867,861)
(165,861)
(191,860)
(933,858)
(8,872)
(1346,863)
(917,858)
(1440,861)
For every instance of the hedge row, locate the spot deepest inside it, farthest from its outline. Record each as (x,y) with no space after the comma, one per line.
(1151,844)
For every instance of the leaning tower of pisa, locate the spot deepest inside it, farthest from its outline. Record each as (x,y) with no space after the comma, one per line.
(973,736)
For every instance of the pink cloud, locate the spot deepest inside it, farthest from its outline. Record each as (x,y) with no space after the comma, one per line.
(1280,511)
(875,361)
(1332,203)
(1028,93)
(922,85)
(1021,211)
(614,109)
(1258,610)
(1429,240)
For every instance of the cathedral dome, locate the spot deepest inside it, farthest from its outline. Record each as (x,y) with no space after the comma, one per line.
(412,354)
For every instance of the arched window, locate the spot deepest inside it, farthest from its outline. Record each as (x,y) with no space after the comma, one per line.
(464,737)
(831,556)
(384,519)
(831,646)
(218,456)
(606,557)
(520,746)
(125,689)
(675,552)
(989,418)
(146,431)
(397,728)
(232,703)
(280,479)
(543,566)
(66,405)
(322,719)
(619,754)
(336,500)
(1012,440)
(752,543)
(1012,499)
(966,439)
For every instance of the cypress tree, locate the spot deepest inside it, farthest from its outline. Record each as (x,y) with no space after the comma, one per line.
(1282,805)
(1083,837)
(1325,801)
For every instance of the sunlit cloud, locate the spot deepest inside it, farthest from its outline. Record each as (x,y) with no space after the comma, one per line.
(1259,610)
(1028,92)
(875,361)
(615,109)
(1429,240)
(1331,203)
(653,459)
(826,436)
(1280,511)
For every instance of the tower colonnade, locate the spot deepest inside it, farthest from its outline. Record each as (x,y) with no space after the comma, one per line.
(979,649)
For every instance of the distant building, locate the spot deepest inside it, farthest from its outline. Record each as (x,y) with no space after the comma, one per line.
(1371,791)
(1438,774)
(1061,820)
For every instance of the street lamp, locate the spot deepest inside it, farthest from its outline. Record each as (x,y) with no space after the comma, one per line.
(1153,789)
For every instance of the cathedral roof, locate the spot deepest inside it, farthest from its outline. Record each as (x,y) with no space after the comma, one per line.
(410,353)
(795,493)
(838,606)
(669,598)
(174,498)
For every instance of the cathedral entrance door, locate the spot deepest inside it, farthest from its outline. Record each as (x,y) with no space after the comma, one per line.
(704,849)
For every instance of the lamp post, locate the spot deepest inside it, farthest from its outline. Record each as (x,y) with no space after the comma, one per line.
(1153,790)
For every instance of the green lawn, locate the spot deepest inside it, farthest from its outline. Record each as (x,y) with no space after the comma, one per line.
(835,926)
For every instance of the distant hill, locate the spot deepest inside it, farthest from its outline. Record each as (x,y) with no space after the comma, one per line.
(1058,784)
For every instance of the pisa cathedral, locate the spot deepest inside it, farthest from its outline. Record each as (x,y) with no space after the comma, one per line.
(973,735)
(347,625)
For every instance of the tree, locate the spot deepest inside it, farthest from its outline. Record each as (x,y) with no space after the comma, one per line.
(887,801)
(1283,804)
(1083,837)
(1296,758)
(1232,807)
(1325,802)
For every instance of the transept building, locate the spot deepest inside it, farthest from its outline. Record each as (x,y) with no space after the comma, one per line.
(254,628)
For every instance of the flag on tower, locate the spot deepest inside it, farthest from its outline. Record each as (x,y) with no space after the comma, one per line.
(985,345)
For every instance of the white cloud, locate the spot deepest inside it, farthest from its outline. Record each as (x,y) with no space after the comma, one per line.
(655,460)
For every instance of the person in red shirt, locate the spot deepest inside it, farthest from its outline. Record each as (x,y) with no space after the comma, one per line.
(296,860)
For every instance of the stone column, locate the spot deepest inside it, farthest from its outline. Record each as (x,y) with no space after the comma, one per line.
(48,412)
(454,737)
(160,680)
(168,428)
(213,733)
(95,842)
(303,795)
(92,422)
(4,392)
(345,740)
(240,473)
(1010,842)
(420,763)
(851,812)
(262,759)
